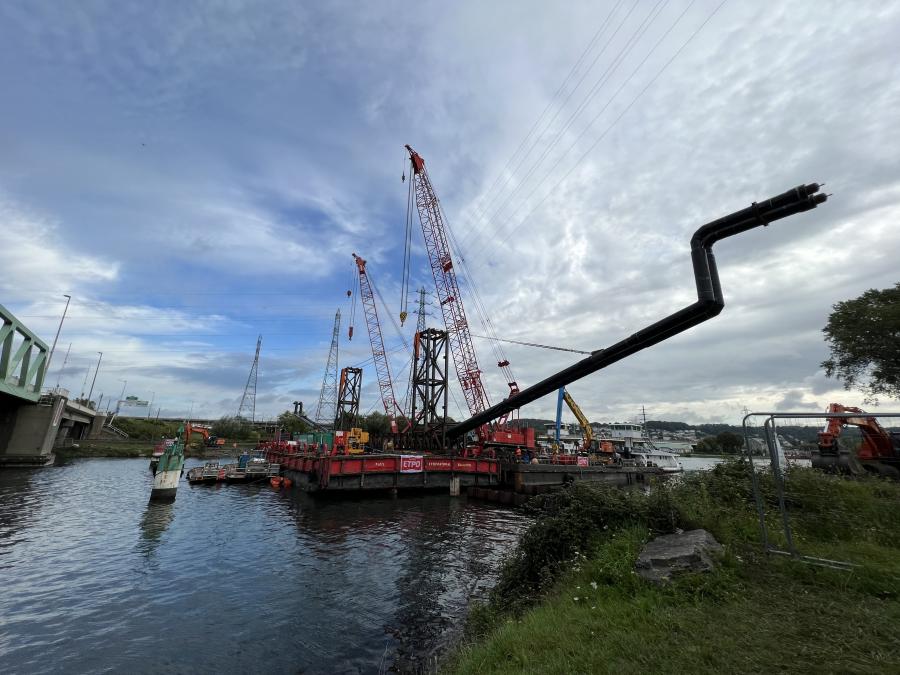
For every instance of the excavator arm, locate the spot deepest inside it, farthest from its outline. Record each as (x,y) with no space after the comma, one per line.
(582,420)
(878,452)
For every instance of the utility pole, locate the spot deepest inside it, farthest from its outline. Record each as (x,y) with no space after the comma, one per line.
(58,330)
(94,381)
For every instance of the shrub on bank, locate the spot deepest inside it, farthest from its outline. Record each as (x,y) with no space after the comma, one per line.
(825,510)
(568,599)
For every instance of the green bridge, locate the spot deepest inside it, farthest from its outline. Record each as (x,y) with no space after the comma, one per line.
(34,420)
(23,359)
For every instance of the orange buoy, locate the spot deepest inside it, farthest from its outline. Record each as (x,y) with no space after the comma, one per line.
(287,482)
(275,481)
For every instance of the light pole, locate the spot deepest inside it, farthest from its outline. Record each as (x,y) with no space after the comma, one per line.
(58,330)
(150,408)
(191,414)
(94,381)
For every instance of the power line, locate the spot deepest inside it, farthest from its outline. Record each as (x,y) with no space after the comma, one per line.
(630,44)
(533,344)
(547,108)
(619,117)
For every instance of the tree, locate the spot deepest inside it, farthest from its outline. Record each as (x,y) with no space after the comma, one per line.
(291,424)
(863,335)
(725,443)
(231,427)
(729,442)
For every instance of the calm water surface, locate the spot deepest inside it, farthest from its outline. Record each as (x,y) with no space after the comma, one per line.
(232,578)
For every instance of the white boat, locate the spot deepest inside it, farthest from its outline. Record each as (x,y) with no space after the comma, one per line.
(667,461)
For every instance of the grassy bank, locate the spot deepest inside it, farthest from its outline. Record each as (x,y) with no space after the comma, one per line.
(132,448)
(568,600)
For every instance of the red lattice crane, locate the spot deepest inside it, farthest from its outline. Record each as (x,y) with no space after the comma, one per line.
(382,367)
(455,321)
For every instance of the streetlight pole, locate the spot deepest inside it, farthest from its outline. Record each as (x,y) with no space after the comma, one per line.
(58,330)
(150,408)
(191,414)
(94,381)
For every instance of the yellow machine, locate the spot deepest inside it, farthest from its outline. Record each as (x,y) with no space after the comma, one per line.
(357,440)
(582,420)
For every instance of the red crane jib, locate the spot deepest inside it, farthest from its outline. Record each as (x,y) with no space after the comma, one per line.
(382,367)
(459,336)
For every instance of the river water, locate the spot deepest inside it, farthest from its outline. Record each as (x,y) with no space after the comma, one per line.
(239,578)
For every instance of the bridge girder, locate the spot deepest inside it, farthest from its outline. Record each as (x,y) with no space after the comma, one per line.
(21,371)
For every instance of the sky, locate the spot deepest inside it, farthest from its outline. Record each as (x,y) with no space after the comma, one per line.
(195,174)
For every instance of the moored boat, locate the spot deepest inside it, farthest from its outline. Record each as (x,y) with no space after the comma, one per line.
(251,469)
(666,461)
(209,473)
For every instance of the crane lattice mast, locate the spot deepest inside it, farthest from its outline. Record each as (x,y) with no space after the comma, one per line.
(382,367)
(460,337)
(327,406)
(248,400)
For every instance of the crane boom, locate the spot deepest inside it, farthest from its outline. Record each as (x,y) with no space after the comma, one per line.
(460,338)
(382,367)
(456,323)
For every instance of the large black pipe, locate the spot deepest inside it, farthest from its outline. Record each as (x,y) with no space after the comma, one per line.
(710,300)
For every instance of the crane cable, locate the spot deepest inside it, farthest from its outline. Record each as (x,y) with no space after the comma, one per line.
(533,344)
(407,249)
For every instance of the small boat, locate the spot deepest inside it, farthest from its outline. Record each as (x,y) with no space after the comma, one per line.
(250,470)
(665,461)
(209,473)
(158,451)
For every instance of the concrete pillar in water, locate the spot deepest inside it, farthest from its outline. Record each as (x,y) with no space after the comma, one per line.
(28,432)
(454,486)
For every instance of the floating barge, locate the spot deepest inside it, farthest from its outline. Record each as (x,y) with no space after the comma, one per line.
(369,472)
(342,473)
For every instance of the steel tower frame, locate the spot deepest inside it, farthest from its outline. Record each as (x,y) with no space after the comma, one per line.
(429,389)
(349,389)
(327,405)
(248,400)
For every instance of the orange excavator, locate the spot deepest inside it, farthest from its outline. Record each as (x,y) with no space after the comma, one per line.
(878,453)
(209,441)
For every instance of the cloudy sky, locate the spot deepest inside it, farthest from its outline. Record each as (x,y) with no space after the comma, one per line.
(197,173)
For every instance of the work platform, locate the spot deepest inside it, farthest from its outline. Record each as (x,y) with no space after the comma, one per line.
(368,472)
(334,473)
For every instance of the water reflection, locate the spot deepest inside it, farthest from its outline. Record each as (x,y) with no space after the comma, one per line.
(155,521)
(251,579)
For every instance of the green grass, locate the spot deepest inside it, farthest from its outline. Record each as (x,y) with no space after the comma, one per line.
(134,448)
(755,613)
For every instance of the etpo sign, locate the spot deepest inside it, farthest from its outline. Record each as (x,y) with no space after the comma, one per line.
(411,464)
